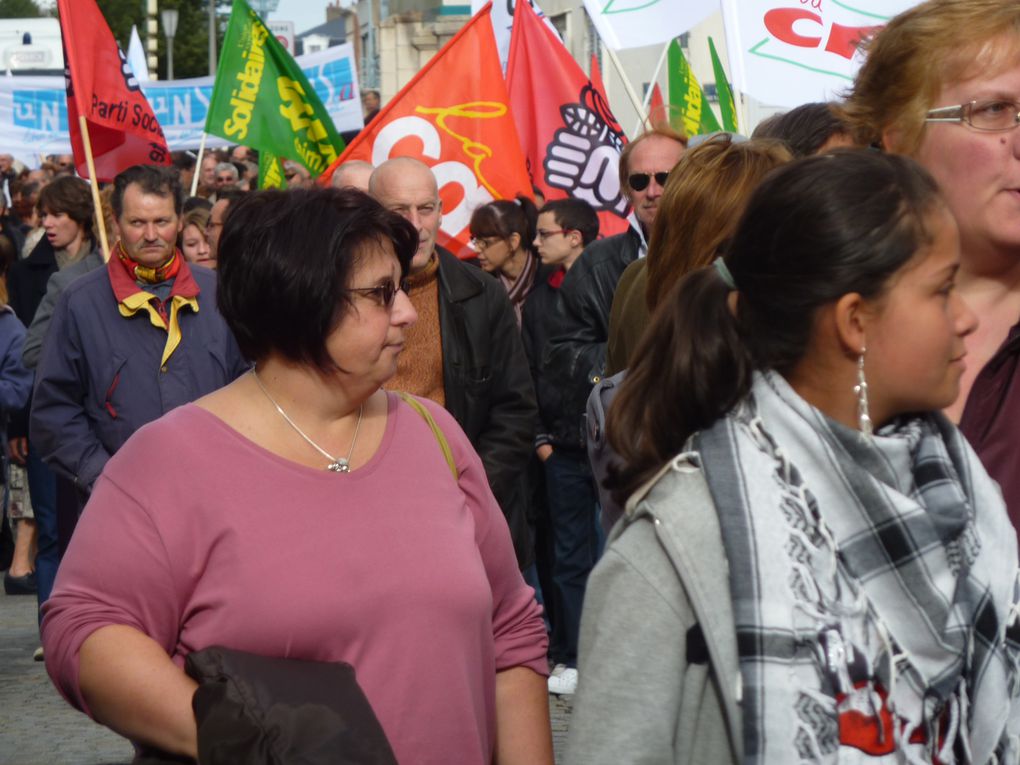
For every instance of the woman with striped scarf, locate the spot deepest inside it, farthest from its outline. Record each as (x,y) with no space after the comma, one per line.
(502,232)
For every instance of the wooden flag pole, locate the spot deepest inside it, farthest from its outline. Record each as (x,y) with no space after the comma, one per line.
(198,166)
(100,218)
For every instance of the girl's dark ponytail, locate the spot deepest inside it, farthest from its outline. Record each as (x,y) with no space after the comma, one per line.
(690,368)
(813,231)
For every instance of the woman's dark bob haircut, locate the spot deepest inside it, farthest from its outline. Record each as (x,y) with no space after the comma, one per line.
(285,261)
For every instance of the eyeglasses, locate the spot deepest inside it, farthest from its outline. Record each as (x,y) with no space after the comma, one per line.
(481,243)
(991,116)
(543,235)
(384,294)
(640,181)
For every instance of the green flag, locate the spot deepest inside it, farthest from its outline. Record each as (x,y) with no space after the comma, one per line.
(688,107)
(727,107)
(262,99)
(270,171)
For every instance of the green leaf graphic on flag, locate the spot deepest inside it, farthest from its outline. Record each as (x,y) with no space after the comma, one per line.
(727,106)
(271,171)
(262,99)
(688,108)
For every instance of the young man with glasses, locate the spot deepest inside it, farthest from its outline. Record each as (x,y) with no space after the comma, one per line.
(565,227)
(578,351)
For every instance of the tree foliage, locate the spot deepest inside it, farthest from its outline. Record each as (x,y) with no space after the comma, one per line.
(20,9)
(191,42)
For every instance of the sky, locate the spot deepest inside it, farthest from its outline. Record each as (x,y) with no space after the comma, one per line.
(304,13)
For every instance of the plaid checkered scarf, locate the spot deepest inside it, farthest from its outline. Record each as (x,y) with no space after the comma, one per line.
(874,587)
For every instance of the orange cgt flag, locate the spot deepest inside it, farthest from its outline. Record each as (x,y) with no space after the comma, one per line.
(571,139)
(122,127)
(454,116)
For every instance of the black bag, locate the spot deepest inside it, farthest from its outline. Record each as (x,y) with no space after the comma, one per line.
(267,711)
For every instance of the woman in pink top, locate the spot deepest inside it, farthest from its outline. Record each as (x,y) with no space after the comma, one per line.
(303,512)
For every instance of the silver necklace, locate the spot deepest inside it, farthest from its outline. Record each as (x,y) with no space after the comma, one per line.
(336,464)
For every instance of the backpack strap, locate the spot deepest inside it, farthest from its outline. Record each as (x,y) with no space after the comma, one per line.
(444,445)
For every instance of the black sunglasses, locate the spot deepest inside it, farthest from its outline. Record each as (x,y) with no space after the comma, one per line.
(384,294)
(640,181)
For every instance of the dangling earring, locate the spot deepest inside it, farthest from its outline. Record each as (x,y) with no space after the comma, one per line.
(861,389)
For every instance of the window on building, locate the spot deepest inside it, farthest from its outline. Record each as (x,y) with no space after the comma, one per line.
(559,22)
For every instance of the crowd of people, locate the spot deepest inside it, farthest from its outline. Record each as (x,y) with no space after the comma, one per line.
(741,480)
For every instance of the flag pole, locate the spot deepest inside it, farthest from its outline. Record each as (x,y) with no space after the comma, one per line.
(655,78)
(635,101)
(198,166)
(100,218)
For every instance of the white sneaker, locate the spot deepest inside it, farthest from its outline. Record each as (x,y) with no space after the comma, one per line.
(557,670)
(565,683)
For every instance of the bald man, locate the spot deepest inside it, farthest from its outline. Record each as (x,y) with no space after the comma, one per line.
(465,350)
(353,175)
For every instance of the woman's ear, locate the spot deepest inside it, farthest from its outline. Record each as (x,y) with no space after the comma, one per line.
(514,240)
(891,138)
(850,315)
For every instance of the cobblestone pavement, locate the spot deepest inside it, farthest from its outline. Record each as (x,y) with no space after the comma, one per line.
(37,727)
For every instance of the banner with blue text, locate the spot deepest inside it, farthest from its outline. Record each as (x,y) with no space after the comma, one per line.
(33,110)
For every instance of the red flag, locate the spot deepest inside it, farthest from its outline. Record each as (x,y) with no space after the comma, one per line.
(122,128)
(658,114)
(454,116)
(570,136)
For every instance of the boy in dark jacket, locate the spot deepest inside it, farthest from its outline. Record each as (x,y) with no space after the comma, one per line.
(565,227)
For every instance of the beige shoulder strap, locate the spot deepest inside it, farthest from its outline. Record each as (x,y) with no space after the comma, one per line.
(444,445)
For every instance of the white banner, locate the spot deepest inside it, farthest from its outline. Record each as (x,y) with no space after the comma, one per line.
(502,17)
(634,23)
(791,52)
(33,110)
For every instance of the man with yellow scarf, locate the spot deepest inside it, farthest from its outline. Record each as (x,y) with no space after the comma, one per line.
(129,342)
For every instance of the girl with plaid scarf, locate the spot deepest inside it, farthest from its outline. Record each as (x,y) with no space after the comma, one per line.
(813,566)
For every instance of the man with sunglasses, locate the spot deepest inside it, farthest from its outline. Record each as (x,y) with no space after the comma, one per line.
(130,341)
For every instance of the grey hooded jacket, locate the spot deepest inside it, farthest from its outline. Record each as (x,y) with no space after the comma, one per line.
(659,680)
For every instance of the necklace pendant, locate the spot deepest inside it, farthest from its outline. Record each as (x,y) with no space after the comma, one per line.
(339,466)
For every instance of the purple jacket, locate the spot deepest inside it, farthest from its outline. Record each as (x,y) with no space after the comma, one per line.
(100,377)
(991,420)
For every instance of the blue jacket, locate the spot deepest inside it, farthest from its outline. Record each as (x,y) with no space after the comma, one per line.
(15,380)
(100,375)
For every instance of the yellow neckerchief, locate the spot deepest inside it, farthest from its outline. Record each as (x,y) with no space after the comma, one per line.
(130,305)
(132,299)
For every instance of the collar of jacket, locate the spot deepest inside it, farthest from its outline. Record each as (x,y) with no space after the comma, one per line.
(41,256)
(131,299)
(458,284)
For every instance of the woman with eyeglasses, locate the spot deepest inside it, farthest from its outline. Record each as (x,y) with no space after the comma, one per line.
(813,566)
(502,233)
(307,514)
(941,83)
